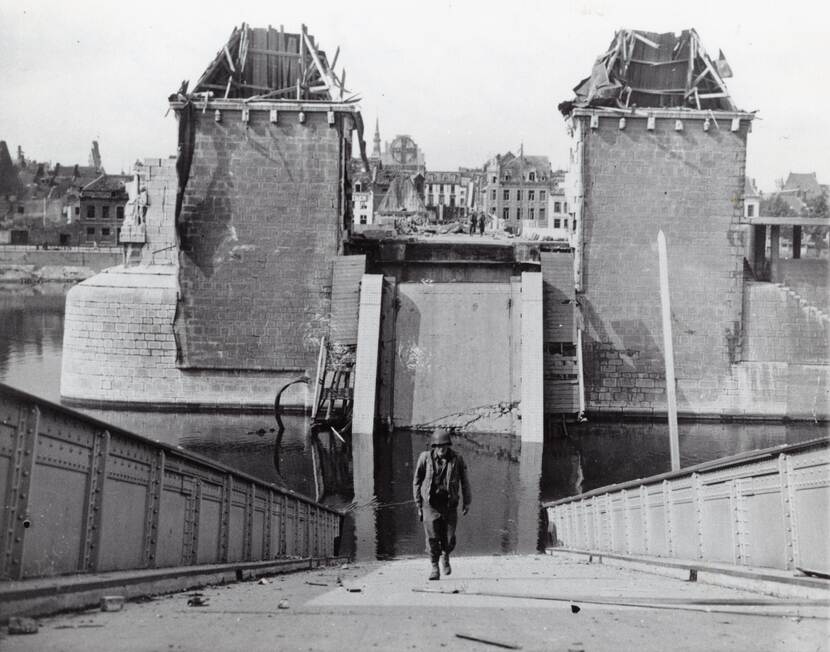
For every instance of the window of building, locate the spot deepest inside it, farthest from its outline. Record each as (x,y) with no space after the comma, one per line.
(90,211)
(505,214)
(105,212)
(119,212)
(77,210)
(90,230)
(541,195)
(518,212)
(557,223)
(531,176)
(565,223)
(21,210)
(565,207)
(363,205)
(493,195)
(518,195)
(750,210)
(105,231)
(532,213)
(494,179)
(363,219)
(531,195)
(557,207)
(506,195)
(541,214)
(357,187)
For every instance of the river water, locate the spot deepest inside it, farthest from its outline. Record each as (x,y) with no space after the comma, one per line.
(508,479)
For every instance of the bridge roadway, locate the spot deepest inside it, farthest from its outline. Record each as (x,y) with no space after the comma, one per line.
(391,606)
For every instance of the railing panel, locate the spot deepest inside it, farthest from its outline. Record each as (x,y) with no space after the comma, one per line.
(78,495)
(718,538)
(765,524)
(768,508)
(657,539)
(208,545)
(811,486)
(122,534)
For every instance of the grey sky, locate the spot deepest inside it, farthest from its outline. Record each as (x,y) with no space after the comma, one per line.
(465,79)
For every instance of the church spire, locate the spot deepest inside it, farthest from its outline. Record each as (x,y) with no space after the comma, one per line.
(376,148)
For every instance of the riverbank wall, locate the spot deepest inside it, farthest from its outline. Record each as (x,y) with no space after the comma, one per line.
(29,264)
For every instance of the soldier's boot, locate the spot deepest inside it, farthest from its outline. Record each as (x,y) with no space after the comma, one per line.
(445,564)
(434,555)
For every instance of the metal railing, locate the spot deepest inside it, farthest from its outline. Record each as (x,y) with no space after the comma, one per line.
(81,496)
(767,508)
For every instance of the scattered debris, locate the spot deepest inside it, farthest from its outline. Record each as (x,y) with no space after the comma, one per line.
(197,600)
(21,625)
(506,646)
(112,603)
(264,580)
(78,626)
(353,589)
(575,608)
(283,604)
(316,584)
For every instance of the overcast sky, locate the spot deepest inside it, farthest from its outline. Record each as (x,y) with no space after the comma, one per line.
(465,79)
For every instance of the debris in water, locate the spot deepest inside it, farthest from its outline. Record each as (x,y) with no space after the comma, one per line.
(283,604)
(264,580)
(575,608)
(316,584)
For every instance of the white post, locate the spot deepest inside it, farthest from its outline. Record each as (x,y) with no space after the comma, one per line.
(580,376)
(668,349)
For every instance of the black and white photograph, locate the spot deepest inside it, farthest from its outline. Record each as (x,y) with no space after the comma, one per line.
(393,326)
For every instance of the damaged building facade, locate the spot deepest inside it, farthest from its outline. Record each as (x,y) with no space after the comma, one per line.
(226,290)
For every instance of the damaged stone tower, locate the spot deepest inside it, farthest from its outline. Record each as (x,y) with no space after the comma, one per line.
(658,144)
(233,249)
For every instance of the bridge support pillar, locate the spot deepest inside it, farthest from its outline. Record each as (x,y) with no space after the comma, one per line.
(363,415)
(532,387)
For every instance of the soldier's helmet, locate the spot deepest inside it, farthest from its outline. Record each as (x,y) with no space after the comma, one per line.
(440,437)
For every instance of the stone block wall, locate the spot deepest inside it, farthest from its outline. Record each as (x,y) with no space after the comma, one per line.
(636,181)
(158,176)
(119,349)
(260,224)
(782,327)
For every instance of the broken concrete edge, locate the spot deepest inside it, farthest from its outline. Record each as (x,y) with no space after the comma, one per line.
(48,596)
(759,580)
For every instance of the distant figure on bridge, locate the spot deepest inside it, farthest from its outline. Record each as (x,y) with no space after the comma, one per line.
(481,223)
(472,223)
(440,480)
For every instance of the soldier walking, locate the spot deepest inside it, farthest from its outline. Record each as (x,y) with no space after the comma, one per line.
(440,483)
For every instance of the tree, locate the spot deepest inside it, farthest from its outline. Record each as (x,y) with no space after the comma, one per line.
(775,206)
(818,205)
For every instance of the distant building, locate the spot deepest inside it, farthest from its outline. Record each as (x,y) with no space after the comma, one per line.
(101,206)
(449,195)
(402,200)
(752,199)
(40,201)
(517,188)
(804,185)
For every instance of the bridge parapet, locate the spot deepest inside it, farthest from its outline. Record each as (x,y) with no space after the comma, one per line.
(767,508)
(81,496)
